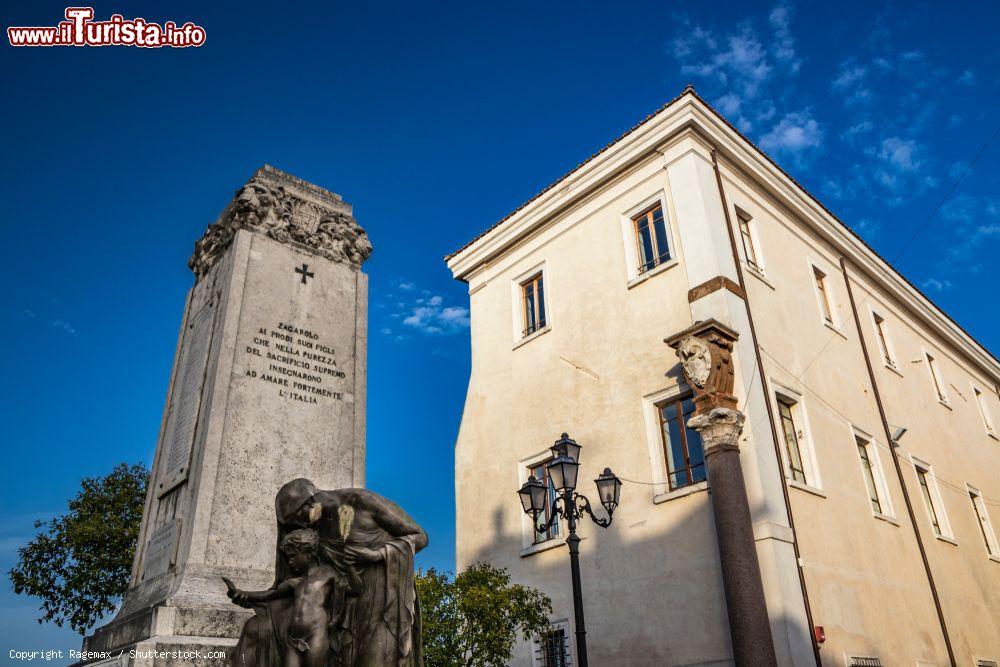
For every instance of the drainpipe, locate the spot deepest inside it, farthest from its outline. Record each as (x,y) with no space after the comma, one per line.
(895,461)
(770,411)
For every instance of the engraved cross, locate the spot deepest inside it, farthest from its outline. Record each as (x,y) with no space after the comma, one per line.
(304,272)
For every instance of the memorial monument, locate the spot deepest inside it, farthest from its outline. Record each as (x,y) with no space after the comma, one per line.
(268,385)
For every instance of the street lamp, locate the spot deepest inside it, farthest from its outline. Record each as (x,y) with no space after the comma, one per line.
(563,471)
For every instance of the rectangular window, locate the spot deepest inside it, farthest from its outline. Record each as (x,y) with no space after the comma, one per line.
(749,250)
(985,527)
(824,298)
(791,436)
(864,661)
(533,299)
(936,378)
(930,499)
(681,445)
(883,341)
(981,402)
(869,472)
(651,238)
(539,472)
(552,647)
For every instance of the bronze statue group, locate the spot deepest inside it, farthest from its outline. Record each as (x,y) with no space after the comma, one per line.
(343,594)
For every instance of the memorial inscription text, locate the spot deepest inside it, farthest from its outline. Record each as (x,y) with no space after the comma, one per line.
(296,362)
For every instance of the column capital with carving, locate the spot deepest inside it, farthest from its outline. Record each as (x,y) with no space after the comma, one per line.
(719,429)
(289,210)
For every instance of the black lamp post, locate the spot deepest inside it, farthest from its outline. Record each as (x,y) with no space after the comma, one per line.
(570,505)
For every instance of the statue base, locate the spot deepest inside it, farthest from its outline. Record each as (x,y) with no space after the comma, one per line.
(164,636)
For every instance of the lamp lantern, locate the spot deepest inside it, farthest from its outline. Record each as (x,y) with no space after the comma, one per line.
(533,496)
(609,489)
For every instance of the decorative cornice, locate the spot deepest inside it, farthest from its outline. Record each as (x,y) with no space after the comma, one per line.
(289,210)
(689,112)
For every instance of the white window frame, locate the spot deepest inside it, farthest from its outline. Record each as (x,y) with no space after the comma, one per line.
(834,304)
(807,449)
(517,304)
(631,243)
(654,443)
(982,515)
(759,267)
(528,545)
(888,512)
(561,624)
(889,356)
(937,379)
(980,397)
(936,499)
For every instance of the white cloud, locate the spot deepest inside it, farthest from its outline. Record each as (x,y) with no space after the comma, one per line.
(64,325)
(747,70)
(793,134)
(936,285)
(784,43)
(868,228)
(901,154)
(420,310)
(854,131)
(850,74)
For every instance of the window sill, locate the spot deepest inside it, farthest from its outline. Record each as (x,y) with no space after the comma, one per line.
(807,488)
(993,558)
(532,336)
(835,329)
(554,543)
(758,274)
(945,404)
(680,493)
(646,275)
(950,540)
(993,435)
(887,518)
(894,369)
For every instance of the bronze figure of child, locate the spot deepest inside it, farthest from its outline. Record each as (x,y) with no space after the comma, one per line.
(318,593)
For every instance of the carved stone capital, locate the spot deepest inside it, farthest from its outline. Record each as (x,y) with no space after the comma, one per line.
(289,210)
(705,351)
(719,429)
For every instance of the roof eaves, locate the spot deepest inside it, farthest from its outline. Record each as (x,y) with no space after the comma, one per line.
(690,89)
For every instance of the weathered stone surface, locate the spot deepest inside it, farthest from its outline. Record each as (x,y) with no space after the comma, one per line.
(268,385)
(288,210)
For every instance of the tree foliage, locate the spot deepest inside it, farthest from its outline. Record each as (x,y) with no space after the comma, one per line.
(474,619)
(80,564)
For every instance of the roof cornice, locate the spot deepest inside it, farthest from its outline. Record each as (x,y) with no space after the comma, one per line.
(689,110)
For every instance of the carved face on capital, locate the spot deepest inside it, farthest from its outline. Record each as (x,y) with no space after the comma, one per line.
(696,360)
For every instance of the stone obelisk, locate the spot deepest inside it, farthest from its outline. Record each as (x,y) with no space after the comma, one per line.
(268,385)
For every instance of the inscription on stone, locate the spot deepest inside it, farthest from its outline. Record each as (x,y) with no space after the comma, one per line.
(296,362)
(186,399)
(161,551)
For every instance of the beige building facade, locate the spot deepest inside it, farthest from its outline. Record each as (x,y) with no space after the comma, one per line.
(876,544)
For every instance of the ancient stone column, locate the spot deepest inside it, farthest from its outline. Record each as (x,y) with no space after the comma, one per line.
(705,351)
(268,385)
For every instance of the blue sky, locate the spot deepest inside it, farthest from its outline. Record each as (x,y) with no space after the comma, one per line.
(434,121)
